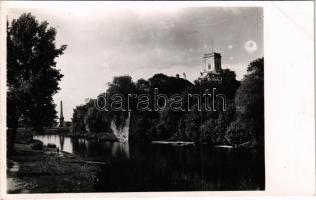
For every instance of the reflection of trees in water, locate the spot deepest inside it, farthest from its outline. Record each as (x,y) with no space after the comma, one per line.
(62,142)
(120,150)
(166,167)
(79,146)
(98,149)
(186,168)
(170,168)
(232,170)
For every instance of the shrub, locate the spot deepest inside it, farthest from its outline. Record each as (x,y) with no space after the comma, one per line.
(37,145)
(49,145)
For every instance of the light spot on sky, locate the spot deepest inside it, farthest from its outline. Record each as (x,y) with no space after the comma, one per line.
(251,46)
(230,46)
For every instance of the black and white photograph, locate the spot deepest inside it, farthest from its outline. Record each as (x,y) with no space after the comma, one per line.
(105,99)
(135,99)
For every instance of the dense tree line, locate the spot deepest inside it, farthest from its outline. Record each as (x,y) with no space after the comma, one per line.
(242,120)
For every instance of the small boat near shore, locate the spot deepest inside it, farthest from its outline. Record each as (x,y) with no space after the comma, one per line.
(224,146)
(175,143)
(183,143)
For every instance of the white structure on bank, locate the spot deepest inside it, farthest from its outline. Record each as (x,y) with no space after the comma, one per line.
(121,133)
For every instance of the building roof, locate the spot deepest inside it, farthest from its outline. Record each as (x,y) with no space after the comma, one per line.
(213,54)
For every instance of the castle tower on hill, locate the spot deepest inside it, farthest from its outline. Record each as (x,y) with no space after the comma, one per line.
(212,62)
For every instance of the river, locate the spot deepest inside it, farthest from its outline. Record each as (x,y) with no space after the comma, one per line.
(133,167)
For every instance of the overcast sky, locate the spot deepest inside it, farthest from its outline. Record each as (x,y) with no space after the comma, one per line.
(105,41)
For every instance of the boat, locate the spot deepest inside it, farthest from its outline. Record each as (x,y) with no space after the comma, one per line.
(175,143)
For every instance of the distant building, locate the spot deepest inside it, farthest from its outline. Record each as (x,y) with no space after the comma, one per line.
(212,62)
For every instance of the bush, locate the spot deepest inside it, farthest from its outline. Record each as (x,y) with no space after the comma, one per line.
(24,136)
(37,145)
(49,145)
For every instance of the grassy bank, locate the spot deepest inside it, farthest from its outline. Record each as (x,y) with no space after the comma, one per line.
(49,172)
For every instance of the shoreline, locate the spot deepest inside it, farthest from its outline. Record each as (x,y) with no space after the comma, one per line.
(49,171)
(85,136)
(245,145)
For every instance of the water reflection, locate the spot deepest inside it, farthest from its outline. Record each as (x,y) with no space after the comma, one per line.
(85,148)
(146,167)
(120,149)
(62,142)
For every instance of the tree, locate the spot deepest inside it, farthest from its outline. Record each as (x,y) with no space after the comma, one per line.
(250,98)
(32,78)
(210,125)
(163,124)
(142,86)
(78,116)
(122,86)
(168,85)
(94,119)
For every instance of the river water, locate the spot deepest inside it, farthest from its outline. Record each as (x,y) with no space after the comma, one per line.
(133,167)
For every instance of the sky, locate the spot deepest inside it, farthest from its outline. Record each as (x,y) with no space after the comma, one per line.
(109,40)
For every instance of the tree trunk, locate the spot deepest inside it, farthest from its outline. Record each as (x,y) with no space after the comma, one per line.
(11,135)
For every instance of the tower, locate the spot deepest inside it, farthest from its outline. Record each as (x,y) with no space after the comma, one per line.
(61,117)
(213,62)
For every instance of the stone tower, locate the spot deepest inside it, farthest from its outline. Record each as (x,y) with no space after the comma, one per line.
(213,62)
(61,117)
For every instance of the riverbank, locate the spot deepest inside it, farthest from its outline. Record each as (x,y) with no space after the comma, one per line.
(49,171)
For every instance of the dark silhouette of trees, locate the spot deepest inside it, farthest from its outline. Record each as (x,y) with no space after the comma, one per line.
(32,78)
(78,116)
(168,85)
(123,86)
(199,124)
(88,120)
(215,126)
(249,124)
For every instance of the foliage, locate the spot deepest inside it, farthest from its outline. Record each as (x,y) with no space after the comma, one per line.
(163,124)
(215,126)
(78,125)
(250,98)
(199,124)
(122,85)
(32,78)
(95,120)
(86,118)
